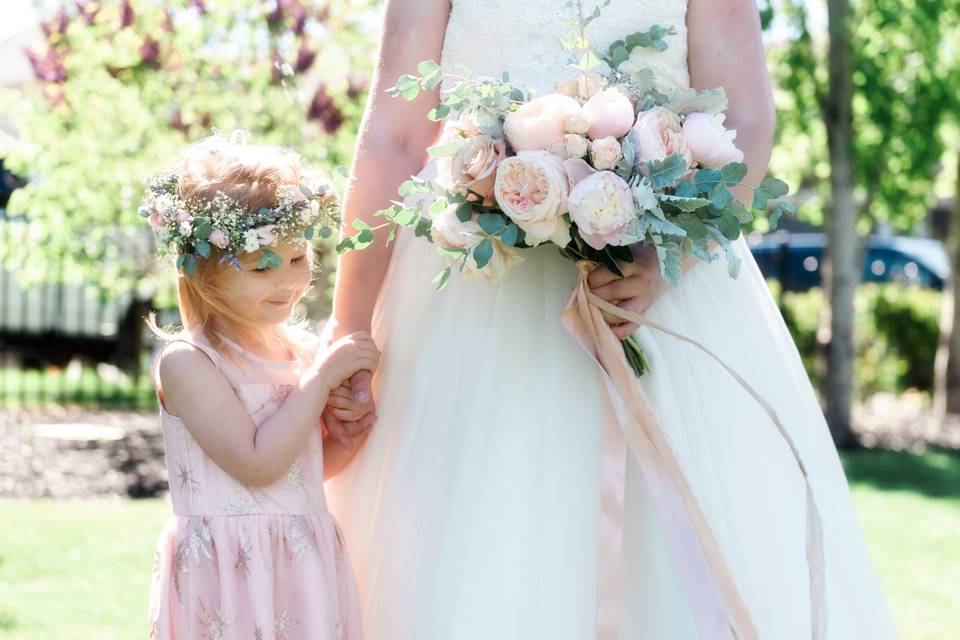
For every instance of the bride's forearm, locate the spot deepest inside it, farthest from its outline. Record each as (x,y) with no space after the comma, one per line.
(378,171)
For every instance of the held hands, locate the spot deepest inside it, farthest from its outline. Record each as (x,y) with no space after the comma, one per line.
(641,286)
(344,358)
(350,411)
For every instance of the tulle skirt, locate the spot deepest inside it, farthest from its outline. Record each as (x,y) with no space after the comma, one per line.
(472,511)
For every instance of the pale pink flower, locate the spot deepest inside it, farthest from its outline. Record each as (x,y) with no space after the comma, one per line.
(605,153)
(266,235)
(218,238)
(539,123)
(611,113)
(659,135)
(602,207)
(474,167)
(711,144)
(531,188)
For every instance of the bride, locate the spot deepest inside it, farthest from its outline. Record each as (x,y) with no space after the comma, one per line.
(473,508)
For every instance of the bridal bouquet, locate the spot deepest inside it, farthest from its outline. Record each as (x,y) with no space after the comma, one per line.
(605,162)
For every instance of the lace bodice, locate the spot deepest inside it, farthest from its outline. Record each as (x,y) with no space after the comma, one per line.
(488,37)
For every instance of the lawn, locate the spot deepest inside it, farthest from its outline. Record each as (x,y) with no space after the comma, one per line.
(80,570)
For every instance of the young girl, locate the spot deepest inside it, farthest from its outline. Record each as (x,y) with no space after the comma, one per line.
(251,550)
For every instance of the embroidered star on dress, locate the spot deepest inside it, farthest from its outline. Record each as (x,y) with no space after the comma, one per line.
(213,624)
(243,560)
(185,477)
(295,475)
(301,538)
(278,394)
(283,624)
(243,502)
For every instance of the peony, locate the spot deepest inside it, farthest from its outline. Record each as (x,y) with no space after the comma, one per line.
(711,144)
(156,219)
(660,135)
(474,167)
(218,238)
(531,188)
(602,207)
(539,123)
(611,113)
(606,153)
(452,233)
(184,216)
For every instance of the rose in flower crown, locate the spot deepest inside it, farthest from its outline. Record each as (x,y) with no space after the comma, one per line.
(195,227)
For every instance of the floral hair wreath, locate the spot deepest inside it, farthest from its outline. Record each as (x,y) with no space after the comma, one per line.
(190,228)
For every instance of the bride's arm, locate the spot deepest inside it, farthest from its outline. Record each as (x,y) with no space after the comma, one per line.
(391,146)
(724,50)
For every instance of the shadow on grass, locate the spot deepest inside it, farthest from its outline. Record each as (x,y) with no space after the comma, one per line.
(935,473)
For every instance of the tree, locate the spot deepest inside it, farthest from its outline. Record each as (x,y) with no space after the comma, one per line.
(123,85)
(870,99)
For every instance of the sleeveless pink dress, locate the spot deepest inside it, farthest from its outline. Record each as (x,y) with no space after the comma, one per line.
(249,562)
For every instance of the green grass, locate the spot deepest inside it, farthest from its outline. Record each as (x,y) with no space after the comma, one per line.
(35,387)
(77,569)
(81,569)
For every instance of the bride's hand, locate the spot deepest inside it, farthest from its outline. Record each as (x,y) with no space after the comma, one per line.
(641,286)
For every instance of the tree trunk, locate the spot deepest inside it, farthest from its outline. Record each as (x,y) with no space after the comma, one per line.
(948,392)
(842,241)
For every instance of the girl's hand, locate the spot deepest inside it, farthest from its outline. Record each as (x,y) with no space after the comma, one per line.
(641,286)
(352,353)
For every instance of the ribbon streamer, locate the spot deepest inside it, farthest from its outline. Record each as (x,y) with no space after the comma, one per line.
(718,608)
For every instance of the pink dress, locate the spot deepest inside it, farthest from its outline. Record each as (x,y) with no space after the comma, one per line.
(249,562)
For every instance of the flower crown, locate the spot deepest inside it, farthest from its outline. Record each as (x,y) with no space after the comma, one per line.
(190,229)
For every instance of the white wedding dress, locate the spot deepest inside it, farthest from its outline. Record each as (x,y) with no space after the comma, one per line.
(472,511)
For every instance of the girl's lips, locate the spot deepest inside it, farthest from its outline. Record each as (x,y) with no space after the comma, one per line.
(280,304)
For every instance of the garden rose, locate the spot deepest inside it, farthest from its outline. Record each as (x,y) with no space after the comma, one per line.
(474,167)
(660,135)
(602,207)
(539,123)
(531,188)
(572,146)
(606,153)
(218,238)
(711,144)
(610,112)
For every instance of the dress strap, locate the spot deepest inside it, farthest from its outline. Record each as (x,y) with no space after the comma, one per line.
(195,339)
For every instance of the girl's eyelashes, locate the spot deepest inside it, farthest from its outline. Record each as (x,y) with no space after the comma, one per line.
(299,259)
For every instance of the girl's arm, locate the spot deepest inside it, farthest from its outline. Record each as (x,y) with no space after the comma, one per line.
(195,390)
(336,457)
(391,146)
(724,50)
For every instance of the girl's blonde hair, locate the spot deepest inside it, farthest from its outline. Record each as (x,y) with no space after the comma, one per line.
(251,175)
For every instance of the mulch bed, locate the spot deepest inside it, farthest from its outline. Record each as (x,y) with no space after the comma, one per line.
(129,462)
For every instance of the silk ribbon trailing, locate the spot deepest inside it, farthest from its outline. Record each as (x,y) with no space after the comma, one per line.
(718,608)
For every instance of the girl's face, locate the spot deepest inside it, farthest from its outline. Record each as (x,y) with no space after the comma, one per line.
(267,296)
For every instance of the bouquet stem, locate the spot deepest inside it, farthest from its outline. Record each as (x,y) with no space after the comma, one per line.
(635,356)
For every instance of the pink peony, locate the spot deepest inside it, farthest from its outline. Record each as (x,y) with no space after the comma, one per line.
(660,135)
(602,207)
(531,188)
(539,123)
(711,144)
(611,113)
